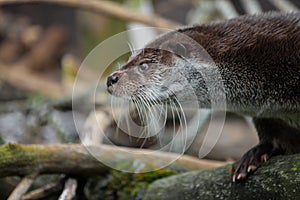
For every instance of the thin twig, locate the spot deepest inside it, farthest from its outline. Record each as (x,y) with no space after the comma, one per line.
(69,191)
(251,6)
(45,51)
(44,191)
(22,187)
(109,8)
(226,8)
(284,5)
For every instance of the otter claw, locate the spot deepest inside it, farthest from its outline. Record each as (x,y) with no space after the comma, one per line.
(251,161)
(234,178)
(241,176)
(264,157)
(251,168)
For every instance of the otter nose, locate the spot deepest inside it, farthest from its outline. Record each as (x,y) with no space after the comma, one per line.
(112,80)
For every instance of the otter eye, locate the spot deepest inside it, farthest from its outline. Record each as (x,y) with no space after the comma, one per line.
(143,67)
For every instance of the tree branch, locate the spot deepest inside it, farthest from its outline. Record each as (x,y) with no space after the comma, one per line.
(43,191)
(17,159)
(109,8)
(22,77)
(22,187)
(69,191)
(23,73)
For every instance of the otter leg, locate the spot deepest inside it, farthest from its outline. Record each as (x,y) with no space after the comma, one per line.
(276,137)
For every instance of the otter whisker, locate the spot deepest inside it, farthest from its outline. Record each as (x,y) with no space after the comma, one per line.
(127,117)
(157,102)
(183,124)
(119,104)
(144,142)
(155,112)
(137,105)
(130,48)
(144,109)
(174,123)
(140,107)
(182,121)
(143,116)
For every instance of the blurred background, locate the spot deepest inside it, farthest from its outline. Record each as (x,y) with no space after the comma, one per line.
(43,44)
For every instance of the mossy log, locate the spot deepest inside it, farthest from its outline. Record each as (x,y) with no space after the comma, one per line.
(17,159)
(279,178)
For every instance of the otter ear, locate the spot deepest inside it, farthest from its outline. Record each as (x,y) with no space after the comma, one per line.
(181,50)
(177,48)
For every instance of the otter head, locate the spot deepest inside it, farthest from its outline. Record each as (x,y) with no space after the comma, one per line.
(152,73)
(161,70)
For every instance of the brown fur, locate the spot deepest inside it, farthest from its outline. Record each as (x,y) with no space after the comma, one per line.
(258,58)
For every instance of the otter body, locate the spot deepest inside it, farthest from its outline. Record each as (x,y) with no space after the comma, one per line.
(258,59)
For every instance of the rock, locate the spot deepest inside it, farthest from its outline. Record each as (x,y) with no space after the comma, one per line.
(279,178)
(40,125)
(12,126)
(64,124)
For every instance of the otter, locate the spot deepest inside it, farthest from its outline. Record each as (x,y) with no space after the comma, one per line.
(258,59)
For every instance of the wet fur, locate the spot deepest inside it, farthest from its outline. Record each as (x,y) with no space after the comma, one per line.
(258,57)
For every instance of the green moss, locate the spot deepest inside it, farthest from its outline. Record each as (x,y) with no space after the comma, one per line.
(13,151)
(133,186)
(10,146)
(124,186)
(294,169)
(37,99)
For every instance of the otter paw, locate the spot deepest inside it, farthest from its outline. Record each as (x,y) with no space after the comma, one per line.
(251,161)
